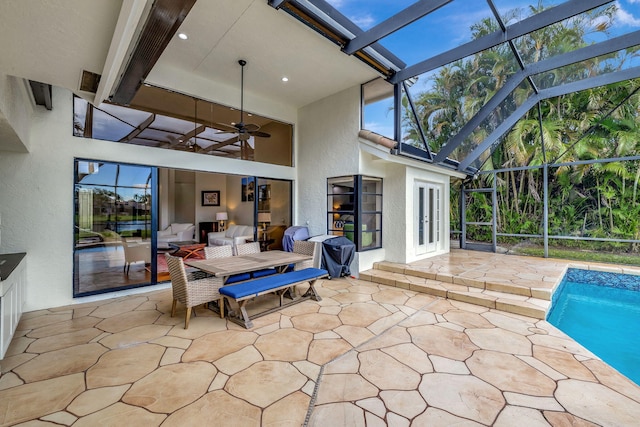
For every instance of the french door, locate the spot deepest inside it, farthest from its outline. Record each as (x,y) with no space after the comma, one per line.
(427,217)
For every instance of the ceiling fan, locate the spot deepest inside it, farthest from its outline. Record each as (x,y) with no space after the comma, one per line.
(245,131)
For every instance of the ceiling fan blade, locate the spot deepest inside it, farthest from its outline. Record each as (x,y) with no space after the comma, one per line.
(251,127)
(260,134)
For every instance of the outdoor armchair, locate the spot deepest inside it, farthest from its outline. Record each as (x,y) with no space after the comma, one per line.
(191,290)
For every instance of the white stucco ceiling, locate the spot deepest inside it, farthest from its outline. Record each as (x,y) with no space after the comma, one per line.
(52,41)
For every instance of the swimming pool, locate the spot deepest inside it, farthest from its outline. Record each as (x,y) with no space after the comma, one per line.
(601,311)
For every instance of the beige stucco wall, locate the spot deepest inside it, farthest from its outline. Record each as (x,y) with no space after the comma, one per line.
(36,194)
(331,147)
(328,130)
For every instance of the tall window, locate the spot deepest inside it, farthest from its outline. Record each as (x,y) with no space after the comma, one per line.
(354,210)
(112,226)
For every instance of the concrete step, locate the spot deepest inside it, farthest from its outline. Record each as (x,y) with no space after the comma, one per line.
(500,296)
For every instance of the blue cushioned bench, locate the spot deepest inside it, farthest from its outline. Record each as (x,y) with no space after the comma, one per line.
(278,283)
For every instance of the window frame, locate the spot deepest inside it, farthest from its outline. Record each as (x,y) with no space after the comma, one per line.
(336,187)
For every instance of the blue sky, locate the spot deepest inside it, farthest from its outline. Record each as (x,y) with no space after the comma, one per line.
(447,28)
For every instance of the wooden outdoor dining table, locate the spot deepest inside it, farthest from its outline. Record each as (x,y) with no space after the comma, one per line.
(225,267)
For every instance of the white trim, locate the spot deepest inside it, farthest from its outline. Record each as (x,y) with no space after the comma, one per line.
(384,154)
(132,15)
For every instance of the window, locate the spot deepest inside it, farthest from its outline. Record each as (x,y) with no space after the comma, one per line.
(377,108)
(169,120)
(354,210)
(112,226)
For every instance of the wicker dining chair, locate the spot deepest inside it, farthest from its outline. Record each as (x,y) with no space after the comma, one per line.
(191,291)
(306,248)
(248,248)
(223,251)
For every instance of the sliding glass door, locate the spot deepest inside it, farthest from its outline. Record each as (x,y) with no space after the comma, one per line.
(118,207)
(113,225)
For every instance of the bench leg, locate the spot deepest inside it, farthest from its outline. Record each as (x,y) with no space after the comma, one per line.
(242,317)
(291,293)
(311,292)
(245,316)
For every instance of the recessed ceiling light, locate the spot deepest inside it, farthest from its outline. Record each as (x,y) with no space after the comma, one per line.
(285,79)
(183,36)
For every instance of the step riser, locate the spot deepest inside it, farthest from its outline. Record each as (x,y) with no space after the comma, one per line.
(544,294)
(502,304)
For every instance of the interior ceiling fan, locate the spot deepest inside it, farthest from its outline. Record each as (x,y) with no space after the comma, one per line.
(245,131)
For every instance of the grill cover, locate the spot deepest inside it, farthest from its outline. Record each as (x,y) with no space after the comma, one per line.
(337,255)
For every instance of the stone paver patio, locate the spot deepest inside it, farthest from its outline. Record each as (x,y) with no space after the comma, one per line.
(367,354)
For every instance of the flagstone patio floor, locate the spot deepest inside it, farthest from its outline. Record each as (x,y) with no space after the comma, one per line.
(366,355)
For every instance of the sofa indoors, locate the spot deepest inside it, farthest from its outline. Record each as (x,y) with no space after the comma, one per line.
(177,232)
(234,235)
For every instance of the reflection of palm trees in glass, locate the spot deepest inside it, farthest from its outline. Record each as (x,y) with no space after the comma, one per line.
(143,199)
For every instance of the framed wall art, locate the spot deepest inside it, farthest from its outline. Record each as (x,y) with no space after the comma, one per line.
(211,198)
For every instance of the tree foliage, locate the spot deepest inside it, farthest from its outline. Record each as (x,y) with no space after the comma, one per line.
(592,199)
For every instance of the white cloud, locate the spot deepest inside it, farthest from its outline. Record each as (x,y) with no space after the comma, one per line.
(380,128)
(364,21)
(625,18)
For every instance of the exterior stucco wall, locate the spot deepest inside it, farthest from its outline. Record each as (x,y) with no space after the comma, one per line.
(36,194)
(330,147)
(328,133)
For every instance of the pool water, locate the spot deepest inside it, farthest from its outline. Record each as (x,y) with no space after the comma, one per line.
(601,311)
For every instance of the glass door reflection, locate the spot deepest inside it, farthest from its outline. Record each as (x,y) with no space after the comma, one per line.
(112,227)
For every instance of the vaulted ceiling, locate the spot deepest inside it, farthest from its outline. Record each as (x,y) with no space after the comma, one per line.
(53,42)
